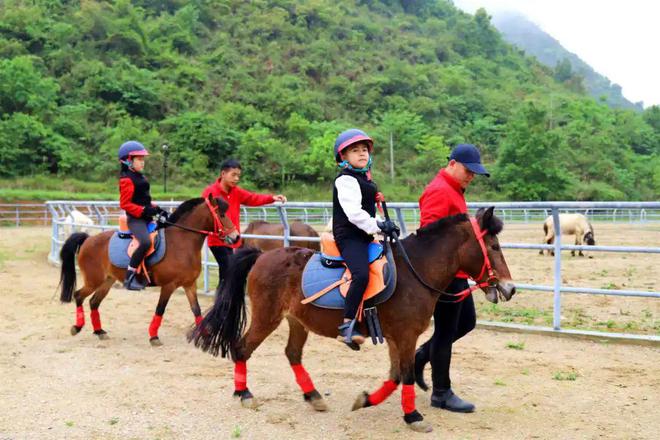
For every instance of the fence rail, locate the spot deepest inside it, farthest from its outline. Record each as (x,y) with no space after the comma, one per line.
(318,213)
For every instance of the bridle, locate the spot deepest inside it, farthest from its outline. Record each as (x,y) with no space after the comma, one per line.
(219,230)
(486,267)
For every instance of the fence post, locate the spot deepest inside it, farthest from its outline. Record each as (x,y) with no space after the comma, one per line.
(556,318)
(18,217)
(287,232)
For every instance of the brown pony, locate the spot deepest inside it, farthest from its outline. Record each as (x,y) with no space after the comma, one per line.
(180,266)
(297,229)
(436,253)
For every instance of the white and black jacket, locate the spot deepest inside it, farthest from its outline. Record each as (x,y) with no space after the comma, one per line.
(354,207)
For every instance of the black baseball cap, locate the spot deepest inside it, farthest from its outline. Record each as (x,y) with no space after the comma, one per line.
(468,155)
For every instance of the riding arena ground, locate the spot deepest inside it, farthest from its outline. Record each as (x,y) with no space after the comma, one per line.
(525,386)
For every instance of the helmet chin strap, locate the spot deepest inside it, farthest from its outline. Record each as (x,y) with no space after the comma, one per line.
(345,164)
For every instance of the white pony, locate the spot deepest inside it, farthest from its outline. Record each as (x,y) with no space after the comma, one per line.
(571,224)
(76,218)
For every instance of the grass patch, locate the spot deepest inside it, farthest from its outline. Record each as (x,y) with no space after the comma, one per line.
(507,313)
(113,421)
(499,382)
(515,345)
(236,432)
(565,375)
(69,423)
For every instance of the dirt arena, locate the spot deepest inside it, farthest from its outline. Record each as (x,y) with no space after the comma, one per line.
(55,386)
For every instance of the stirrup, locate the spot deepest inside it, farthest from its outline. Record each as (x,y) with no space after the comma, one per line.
(132,281)
(349,335)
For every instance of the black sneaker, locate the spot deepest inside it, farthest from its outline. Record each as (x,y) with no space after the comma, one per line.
(446,399)
(133,281)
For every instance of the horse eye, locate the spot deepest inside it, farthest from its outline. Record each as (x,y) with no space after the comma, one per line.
(495,247)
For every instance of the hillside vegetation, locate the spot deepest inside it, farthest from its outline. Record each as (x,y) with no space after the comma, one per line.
(273,82)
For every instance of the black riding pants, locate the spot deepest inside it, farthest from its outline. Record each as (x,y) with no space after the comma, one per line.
(139,230)
(451,322)
(221,254)
(356,256)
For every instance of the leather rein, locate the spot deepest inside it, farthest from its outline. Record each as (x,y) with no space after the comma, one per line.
(218,229)
(462,295)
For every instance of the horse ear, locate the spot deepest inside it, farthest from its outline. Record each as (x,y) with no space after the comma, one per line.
(486,217)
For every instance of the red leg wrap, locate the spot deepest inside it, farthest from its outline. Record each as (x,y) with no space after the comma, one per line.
(408,398)
(382,393)
(302,378)
(80,317)
(154,326)
(198,319)
(240,376)
(96,319)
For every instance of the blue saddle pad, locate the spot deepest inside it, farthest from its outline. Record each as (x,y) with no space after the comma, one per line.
(316,277)
(119,246)
(375,251)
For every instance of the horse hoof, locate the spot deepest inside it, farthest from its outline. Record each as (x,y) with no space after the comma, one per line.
(249,403)
(102,334)
(361,401)
(75,330)
(319,404)
(421,426)
(155,342)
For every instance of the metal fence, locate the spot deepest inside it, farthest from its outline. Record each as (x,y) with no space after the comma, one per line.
(317,213)
(22,214)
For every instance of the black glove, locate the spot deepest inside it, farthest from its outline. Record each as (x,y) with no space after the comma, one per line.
(388,227)
(163,216)
(149,211)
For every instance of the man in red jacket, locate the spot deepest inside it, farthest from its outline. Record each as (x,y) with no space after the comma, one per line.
(443,197)
(227,187)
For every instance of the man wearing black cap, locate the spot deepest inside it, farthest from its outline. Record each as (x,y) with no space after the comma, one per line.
(443,197)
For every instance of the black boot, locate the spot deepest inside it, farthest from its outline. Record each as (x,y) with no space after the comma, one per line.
(421,359)
(349,335)
(446,399)
(133,281)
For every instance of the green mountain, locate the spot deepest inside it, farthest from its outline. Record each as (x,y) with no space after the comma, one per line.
(520,31)
(272,82)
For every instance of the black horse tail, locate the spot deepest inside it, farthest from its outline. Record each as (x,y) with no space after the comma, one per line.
(68,271)
(223,325)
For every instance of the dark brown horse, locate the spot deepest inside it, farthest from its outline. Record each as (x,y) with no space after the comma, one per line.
(436,252)
(180,265)
(297,229)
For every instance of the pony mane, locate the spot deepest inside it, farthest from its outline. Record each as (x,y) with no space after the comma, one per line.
(443,223)
(184,209)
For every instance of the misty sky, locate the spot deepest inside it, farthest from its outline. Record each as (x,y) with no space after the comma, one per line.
(619,39)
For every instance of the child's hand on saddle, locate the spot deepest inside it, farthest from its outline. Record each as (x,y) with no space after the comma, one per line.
(380,198)
(388,227)
(280,198)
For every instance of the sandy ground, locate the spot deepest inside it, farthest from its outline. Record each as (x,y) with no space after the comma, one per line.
(58,386)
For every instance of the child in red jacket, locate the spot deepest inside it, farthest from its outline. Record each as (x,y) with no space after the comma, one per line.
(135,199)
(227,187)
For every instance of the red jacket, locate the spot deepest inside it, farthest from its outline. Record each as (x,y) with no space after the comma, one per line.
(236,197)
(133,193)
(443,197)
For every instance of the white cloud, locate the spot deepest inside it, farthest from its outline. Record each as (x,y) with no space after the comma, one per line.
(618,39)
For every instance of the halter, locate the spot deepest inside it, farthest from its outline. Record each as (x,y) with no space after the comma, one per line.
(485,267)
(460,296)
(218,229)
